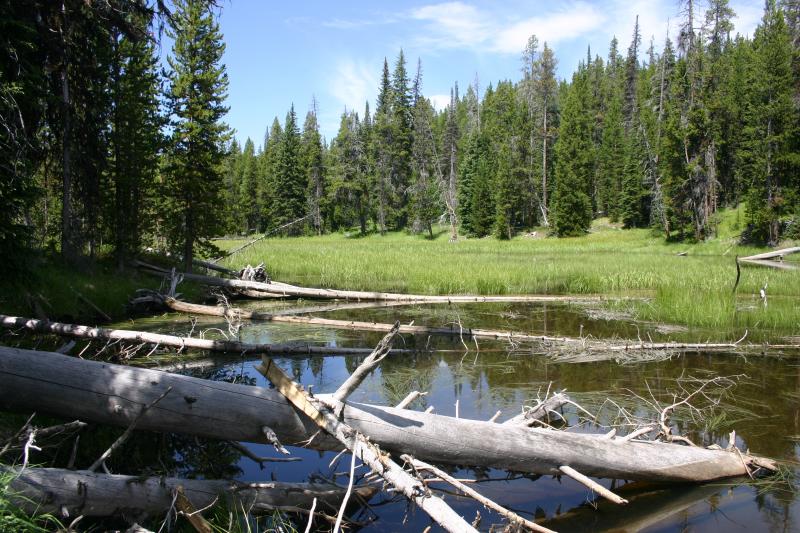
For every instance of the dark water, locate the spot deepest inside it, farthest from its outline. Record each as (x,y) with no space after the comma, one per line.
(763,408)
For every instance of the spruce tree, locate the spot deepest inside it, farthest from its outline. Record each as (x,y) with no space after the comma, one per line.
(249,206)
(135,140)
(289,200)
(312,160)
(198,85)
(571,207)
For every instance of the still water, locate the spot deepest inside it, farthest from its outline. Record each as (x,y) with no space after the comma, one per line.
(763,408)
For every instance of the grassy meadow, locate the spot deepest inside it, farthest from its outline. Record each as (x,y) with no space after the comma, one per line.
(692,290)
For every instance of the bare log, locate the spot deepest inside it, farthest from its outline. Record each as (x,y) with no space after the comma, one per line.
(285,289)
(86,332)
(586,345)
(513,517)
(369,453)
(772,264)
(771,255)
(54,490)
(113,394)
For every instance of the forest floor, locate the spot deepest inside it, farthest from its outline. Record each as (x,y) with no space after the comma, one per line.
(693,289)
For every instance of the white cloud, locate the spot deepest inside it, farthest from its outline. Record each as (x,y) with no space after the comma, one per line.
(353,83)
(453,24)
(573,21)
(748,16)
(460,25)
(439,101)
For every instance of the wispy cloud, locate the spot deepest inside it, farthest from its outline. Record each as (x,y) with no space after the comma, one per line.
(460,25)
(353,83)
(439,101)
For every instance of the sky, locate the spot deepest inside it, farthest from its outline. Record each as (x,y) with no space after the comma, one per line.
(281,53)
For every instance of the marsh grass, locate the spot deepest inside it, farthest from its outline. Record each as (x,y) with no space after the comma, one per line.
(694,290)
(12,518)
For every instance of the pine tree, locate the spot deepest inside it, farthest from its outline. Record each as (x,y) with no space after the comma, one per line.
(382,149)
(312,159)
(249,206)
(135,140)
(571,207)
(289,200)
(269,161)
(770,129)
(198,85)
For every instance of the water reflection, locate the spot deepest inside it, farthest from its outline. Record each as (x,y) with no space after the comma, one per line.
(764,409)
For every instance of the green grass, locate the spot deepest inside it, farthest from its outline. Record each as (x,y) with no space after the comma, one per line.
(55,286)
(692,290)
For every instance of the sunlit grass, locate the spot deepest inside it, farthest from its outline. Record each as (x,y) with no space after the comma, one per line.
(693,289)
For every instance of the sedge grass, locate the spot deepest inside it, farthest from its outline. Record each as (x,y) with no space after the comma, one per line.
(694,289)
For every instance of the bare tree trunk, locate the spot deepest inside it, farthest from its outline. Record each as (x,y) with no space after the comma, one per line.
(67,243)
(544,166)
(55,490)
(113,394)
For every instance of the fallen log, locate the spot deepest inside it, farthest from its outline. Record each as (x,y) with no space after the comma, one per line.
(224,346)
(358,444)
(113,394)
(772,264)
(771,255)
(285,289)
(55,490)
(585,345)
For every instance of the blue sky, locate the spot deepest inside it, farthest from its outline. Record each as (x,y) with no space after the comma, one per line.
(279,53)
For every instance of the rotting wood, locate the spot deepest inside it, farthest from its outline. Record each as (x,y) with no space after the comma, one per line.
(369,452)
(54,490)
(188,510)
(113,394)
(86,332)
(285,289)
(513,517)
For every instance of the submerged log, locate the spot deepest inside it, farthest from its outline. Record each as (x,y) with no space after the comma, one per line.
(285,289)
(55,490)
(86,332)
(113,394)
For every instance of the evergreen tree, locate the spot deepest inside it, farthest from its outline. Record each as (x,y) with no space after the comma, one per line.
(289,200)
(198,85)
(249,205)
(135,140)
(312,159)
(770,129)
(269,162)
(571,206)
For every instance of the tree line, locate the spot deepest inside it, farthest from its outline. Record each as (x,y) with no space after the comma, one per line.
(104,151)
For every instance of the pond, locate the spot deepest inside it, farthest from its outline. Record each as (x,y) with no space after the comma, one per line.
(477,380)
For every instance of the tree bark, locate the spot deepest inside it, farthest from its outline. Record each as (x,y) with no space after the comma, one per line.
(112,394)
(51,490)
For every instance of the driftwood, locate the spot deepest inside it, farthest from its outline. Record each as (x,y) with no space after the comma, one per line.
(54,490)
(285,289)
(584,344)
(358,444)
(85,332)
(113,394)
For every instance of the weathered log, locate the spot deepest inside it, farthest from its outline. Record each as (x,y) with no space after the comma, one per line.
(771,264)
(539,412)
(586,345)
(359,445)
(86,332)
(54,490)
(771,255)
(113,394)
(285,289)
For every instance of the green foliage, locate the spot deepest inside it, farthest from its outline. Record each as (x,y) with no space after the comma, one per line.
(198,85)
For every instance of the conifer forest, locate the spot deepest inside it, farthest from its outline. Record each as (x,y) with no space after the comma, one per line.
(551,303)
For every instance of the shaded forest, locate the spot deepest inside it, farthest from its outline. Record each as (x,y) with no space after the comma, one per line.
(106,152)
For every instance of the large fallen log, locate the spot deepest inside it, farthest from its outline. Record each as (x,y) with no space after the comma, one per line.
(224,346)
(113,394)
(285,289)
(772,255)
(55,490)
